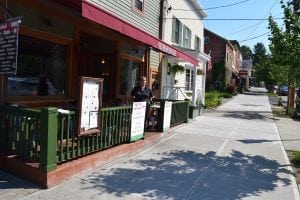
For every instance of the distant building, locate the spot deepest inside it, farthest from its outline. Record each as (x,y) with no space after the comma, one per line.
(226,59)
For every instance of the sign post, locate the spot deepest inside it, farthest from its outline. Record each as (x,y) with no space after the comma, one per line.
(137,121)
(167,115)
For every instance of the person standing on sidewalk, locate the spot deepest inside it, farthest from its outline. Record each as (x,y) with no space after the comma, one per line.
(142,93)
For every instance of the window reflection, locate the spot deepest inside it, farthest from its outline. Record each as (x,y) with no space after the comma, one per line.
(41,68)
(129,74)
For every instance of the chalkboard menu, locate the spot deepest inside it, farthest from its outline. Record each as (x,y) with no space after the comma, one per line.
(90,105)
(9,46)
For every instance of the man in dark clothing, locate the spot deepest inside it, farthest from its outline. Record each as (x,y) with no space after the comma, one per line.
(141,92)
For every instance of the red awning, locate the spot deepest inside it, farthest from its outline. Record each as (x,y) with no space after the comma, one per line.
(96,14)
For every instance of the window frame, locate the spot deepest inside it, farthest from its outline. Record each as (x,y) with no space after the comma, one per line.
(26,31)
(186,37)
(176,38)
(137,10)
(197,44)
(189,85)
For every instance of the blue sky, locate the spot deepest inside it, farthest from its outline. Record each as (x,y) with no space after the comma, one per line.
(242,30)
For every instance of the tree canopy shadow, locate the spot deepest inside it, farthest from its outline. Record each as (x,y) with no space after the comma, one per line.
(250,115)
(182,174)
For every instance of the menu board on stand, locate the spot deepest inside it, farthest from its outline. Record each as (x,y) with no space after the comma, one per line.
(90,103)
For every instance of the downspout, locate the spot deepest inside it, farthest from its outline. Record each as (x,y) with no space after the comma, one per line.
(161,19)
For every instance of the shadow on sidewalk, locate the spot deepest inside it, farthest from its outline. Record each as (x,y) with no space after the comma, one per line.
(173,175)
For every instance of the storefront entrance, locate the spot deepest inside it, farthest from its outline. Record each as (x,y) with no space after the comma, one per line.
(98,58)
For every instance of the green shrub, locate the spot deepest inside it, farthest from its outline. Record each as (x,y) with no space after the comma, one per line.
(212,99)
(226,95)
(296,159)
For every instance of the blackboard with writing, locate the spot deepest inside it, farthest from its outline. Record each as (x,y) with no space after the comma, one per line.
(9,46)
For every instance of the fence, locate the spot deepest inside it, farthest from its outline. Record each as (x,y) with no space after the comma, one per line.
(49,137)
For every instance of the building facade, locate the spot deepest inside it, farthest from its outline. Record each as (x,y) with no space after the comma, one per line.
(226,60)
(180,31)
(59,41)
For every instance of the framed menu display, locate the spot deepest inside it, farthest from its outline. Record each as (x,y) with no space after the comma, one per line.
(90,103)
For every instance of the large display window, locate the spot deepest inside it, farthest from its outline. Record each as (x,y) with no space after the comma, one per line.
(41,69)
(129,75)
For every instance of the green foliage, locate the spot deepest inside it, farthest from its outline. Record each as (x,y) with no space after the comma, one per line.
(226,95)
(176,68)
(212,99)
(218,71)
(296,159)
(285,45)
(246,52)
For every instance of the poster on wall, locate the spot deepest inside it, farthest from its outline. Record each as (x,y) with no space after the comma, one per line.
(167,116)
(9,32)
(90,104)
(137,121)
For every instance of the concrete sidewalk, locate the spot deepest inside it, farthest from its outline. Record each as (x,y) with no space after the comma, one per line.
(234,152)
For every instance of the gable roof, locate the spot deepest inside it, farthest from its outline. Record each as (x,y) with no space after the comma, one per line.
(198,8)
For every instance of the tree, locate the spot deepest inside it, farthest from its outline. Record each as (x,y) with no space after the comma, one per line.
(263,65)
(285,47)
(246,52)
(259,53)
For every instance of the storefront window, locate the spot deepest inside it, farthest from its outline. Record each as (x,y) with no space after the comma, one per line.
(41,68)
(129,75)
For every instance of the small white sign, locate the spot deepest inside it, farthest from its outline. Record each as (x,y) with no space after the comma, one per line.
(167,115)
(137,120)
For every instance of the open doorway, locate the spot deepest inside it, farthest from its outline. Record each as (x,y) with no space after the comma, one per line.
(98,58)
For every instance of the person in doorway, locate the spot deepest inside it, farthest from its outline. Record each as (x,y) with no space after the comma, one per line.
(142,93)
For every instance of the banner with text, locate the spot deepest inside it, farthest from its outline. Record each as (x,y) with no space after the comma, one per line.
(137,120)
(9,46)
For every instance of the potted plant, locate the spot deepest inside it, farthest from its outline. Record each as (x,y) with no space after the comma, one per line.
(176,68)
(200,72)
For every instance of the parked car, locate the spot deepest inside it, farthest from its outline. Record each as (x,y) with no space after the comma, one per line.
(283,90)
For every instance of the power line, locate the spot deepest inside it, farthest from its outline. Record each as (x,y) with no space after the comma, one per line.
(254,37)
(257,36)
(224,6)
(227,19)
(259,23)
(246,28)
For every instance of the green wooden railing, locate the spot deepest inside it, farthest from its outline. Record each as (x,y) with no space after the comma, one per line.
(19,132)
(49,137)
(115,129)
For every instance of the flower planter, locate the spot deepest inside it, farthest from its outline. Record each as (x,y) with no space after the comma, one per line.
(195,111)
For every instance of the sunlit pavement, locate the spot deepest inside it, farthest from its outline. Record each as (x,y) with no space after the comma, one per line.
(234,152)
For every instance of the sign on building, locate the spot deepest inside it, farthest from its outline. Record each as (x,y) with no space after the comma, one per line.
(9,46)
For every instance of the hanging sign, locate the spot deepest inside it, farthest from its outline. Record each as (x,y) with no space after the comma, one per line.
(9,46)
(137,120)
(90,105)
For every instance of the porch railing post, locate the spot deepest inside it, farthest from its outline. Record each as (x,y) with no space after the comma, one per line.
(48,139)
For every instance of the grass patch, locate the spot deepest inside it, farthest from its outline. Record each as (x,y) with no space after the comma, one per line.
(272,94)
(279,111)
(294,157)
